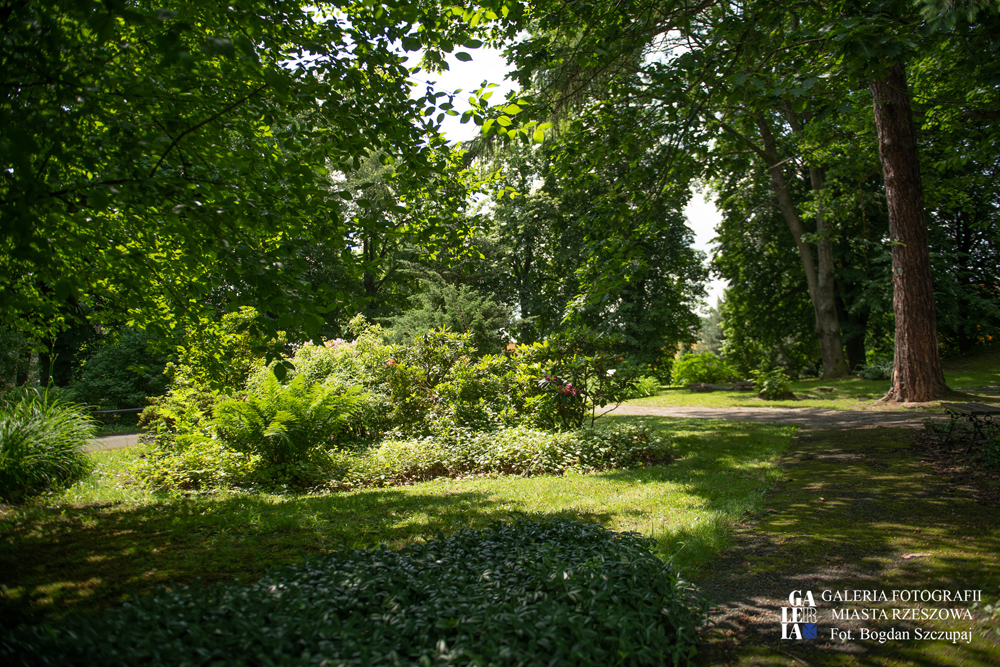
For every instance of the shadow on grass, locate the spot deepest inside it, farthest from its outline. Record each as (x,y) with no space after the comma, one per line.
(86,559)
(83,559)
(857,511)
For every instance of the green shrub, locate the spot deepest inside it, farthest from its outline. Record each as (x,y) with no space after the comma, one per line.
(878,369)
(704,367)
(517,450)
(479,395)
(343,366)
(194,462)
(646,386)
(185,411)
(567,377)
(121,372)
(772,385)
(41,442)
(282,424)
(550,592)
(221,355)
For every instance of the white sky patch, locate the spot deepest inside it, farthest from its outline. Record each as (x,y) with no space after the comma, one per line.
(702,218)
(487,65)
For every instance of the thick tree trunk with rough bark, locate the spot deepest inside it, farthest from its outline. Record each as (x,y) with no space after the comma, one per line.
(819,278)
(917,374)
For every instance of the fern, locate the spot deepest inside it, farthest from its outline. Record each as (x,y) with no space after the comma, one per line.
(285,423)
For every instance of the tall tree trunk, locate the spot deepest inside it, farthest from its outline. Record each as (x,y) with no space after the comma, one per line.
(917,374)
(820,279)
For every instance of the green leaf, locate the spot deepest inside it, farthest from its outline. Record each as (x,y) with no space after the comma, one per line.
(463,56)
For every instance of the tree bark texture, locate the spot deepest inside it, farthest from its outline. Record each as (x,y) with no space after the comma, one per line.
(819,275)
(917,374)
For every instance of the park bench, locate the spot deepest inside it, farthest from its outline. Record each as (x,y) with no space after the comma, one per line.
(979,415)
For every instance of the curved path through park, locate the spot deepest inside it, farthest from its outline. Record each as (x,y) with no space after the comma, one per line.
(815,417)
(117,441)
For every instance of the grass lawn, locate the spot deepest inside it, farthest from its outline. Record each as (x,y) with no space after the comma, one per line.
(974,377)
(104,540)
(752,511)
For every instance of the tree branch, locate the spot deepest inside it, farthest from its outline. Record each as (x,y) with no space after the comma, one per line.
(208,120)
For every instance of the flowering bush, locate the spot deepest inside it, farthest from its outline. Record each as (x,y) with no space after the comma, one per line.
(575,373)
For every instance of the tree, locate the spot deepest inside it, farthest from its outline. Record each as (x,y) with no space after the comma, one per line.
(917,373)
(459,308)
(153,158)
(759,64)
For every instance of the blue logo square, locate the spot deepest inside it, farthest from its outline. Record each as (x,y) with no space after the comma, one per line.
(809,631)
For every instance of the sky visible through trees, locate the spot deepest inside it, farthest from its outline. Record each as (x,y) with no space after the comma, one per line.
(489,64)
(164,167)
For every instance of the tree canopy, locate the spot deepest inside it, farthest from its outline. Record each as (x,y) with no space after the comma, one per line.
(161,161)
(777,106)
(161,166)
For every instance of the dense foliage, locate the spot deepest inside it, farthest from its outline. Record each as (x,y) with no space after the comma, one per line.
(122,372)
(878,369)
(371,412)
(772,385)
(785,112)
(704,367)
(510,594)
(282,423)
(162,163)
(41,442)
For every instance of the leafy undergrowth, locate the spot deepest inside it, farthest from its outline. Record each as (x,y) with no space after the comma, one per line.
(453,452)
(566,592)
(858,510)
(87,550)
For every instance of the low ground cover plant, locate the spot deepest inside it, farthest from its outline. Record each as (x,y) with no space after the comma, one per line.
(559,592)
(518,450)
(41,442)
(453,452)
